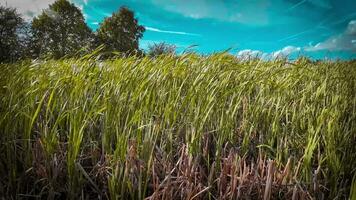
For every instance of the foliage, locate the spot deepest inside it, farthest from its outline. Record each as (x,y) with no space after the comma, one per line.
(60,30)
(178,127)
(13,35)
(161,48)
(121,32)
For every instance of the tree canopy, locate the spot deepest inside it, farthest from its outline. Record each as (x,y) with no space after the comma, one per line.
(121,32)
(11,33)
(60,30)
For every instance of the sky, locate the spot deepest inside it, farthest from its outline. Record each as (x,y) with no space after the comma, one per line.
(268,28)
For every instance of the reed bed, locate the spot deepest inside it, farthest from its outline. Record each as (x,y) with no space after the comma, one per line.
(178,127)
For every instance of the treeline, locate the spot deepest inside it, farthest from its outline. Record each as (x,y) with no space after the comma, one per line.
(61,31)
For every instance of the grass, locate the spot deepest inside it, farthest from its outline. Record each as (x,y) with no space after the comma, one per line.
(178,127)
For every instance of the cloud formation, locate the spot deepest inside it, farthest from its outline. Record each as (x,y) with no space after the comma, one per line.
(249,53)
(29,8)
(282,53)
(342,42)
(170,32)
(286,51)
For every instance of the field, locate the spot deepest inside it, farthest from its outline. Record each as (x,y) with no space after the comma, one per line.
(178,127)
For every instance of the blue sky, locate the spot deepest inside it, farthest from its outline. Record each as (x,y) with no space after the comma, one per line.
(317,28)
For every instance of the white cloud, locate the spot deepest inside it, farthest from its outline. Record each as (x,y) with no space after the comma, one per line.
(286,51)
(342,42)
(171,32)
(249,53)
(29,8)
(282,53)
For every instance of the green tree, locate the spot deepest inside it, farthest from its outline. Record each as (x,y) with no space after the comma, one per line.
(121,32)
(161,48)
(11,35)
(60,30)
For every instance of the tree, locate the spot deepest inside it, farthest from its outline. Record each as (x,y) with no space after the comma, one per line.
(12,34)
(161,48)
(60,30)
(121,32)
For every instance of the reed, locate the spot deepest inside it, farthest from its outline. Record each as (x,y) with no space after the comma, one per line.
(178,127)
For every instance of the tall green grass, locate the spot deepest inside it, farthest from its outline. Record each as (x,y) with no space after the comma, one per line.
(129,127)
